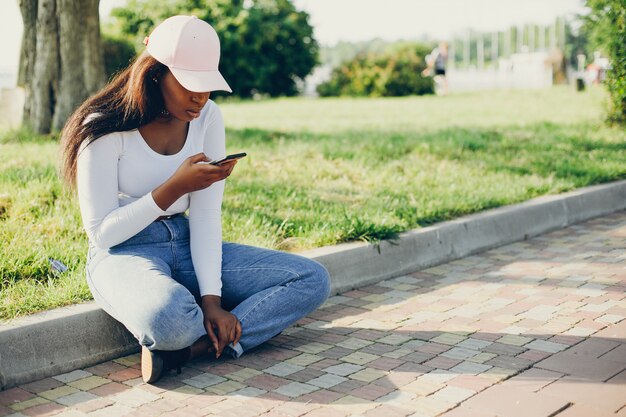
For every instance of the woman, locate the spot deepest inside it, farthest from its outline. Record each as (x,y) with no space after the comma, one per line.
(137,153)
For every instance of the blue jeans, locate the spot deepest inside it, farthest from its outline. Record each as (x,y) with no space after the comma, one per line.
(149,285)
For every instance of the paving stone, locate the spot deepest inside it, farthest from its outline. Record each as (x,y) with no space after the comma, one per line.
(55,393)
(394,339)
(430,406)
(226,387)
(453,395)
(247,392)
(470,368)
(460,353)
(504,349)
(296,389)
(368,375)
(545,346)
(204,380)
(371,391)
(109,389)
(14,395)
(32,402)
(473,344)
(163,405)
(39,386)
(44,410)
(347,386)
(124,374)
(386,364)
(129,360)
(266,382)
(359,358)
(441,362)
(597,370)
(283,369)
(76,398)
(343,369)
(115,410)
(5,411)
(580,331)
(71,413)
(594,347)
(532,380)
(104,369)
(336,352)
(613,396)
(243,374)
(327,380)
(449,338)
(304,359)
(610,319)
(482,357)
(72,376)
(93,405)
(134,397)
(398,353)
(513,402)
(85,384)
(464,411)
(387,411)
(438,376)
(581,410)
(423,386)
(515,340)
(617,355)
(474,383)
(508,362)
(313,347)
(354,343)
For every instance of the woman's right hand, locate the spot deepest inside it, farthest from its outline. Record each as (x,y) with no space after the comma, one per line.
(195,173)
(191,175)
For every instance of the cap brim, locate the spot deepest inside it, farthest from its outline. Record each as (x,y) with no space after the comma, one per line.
(201,81)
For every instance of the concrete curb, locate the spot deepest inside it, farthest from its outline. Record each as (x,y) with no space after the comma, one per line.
(65,339)
(359,264)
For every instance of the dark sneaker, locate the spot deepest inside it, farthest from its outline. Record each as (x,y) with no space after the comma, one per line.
(154,363)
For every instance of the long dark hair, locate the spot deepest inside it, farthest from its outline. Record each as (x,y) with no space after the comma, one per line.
(132,99)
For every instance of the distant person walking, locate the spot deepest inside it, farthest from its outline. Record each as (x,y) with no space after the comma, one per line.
(436,63)
(138,153)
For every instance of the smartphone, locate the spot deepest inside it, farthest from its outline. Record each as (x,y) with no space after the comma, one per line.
(228,158)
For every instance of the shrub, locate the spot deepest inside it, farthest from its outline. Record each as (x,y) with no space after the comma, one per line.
(606,28)
(118,53)
(396,72)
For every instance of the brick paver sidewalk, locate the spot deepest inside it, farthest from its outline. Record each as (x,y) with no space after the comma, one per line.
(531,329)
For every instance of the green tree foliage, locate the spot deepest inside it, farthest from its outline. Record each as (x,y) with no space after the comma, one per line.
(396,72)
(267,45)
(605,27)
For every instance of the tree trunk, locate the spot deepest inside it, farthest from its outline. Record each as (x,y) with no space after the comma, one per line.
(93,63)
(27,55)
(61,62)
(44,82)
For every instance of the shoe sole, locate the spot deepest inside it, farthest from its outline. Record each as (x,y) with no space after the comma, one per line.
(151,366)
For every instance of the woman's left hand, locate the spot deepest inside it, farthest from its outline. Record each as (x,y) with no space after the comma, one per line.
(222,326)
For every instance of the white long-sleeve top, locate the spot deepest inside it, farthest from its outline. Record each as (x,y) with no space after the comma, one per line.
(117,173)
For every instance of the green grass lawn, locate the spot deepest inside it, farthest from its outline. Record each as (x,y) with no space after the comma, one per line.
(326,171)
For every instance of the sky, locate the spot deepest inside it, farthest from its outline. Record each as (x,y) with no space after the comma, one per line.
(358,20)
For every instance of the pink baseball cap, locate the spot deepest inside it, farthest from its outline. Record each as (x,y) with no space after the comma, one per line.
(190,48)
